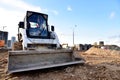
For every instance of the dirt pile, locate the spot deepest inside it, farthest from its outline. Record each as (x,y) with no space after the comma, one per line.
(99,51)
(96,68)
(3,64)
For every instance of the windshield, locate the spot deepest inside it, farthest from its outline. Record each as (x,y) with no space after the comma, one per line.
(37,25)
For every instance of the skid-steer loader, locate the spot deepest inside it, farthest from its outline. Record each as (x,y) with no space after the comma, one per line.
(38,47)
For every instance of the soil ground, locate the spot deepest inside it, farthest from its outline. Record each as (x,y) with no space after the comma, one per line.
(97,67)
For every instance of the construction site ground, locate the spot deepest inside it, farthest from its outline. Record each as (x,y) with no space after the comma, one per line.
(102,66)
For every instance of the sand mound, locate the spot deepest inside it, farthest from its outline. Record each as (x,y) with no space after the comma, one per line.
(96,68)
(99,51)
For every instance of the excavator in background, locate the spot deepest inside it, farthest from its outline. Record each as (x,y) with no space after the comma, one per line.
(2,43)
(38,46)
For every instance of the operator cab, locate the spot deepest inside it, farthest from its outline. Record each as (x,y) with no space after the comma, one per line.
(35,31)
(36,25)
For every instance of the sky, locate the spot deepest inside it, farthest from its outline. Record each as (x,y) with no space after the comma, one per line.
(90,20)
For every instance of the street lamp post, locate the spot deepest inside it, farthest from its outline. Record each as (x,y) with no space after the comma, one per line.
(3,27)
(74,34)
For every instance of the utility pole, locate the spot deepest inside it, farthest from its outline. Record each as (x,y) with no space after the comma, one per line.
(3,27)
(74,34)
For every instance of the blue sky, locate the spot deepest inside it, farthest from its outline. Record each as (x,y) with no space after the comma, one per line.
(96,20)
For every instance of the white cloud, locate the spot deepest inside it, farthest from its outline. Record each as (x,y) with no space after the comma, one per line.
(69,8)
(114,40)
(112,15)
(55,12)
(10,19)
(13,11)
(20,4)
(45,10)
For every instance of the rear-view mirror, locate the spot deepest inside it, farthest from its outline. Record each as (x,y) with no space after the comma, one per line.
(52,28)
(21,25)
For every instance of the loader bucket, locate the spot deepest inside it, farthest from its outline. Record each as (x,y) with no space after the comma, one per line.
(27,60)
